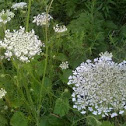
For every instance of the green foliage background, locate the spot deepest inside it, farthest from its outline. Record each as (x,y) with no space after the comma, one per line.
(94,26)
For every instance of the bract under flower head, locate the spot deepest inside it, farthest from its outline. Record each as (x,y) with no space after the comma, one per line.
(21,44)
(99,86)
(6,16)
(42,19)
(20,5)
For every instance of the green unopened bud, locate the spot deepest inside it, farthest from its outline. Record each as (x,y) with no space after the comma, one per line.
(12,110)
(5,107)
(15,77)
(2,75)
(66,90)
(22,11)
(31,90)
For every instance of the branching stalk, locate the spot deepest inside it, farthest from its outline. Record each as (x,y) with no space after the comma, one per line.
(46,60)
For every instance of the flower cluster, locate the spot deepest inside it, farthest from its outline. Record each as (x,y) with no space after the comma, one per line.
(42,19)
(2,93)
(60,29)
(6,16)
(20,5)
(64,65)
(23,45)
(100,86)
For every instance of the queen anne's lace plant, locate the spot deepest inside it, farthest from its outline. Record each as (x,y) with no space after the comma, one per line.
(60,29)
(21,44)
(64,65)
(20,5)
(6,16)
(100,86)
(42,19)
(2,93)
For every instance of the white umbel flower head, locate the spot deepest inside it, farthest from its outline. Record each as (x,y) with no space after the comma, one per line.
(64,65)
(60,29)
(100,86)
(2,93)
(20,5)
(106,55)
(6,16)
(42,19)
(21,44)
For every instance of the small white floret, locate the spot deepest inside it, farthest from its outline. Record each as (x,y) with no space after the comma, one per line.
(64,65)
(113,114)
(121,112)
(59,28)
(6,16)
(42,19)
(20,5)
(2,93)
(83,112)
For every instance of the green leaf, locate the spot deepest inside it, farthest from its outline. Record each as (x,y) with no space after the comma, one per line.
(44,121)
(106,123)
(61,106)
(65,75)
(92,121)
(1,32)
(3,121)
(61,57)
(110,25)
(18,119)
(16,101)
(123,124)
(1,1)
(47,84)
(52,120)
(55,121)
(39,67)
(66,94)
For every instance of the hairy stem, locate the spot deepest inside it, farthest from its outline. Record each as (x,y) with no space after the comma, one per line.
(28,16)
(46,60)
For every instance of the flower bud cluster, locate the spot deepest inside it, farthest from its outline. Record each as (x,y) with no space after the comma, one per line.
(6,16)
(2,93)
(20,5)
(23,45)
(100,86)
(42,19)
(60,29)
(64,65)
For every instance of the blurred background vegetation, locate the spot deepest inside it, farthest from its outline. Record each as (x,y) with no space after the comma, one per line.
(94,26)
(98,25)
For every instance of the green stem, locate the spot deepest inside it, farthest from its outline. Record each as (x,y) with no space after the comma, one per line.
(46,61)
(26,98)
(2,67)
(28,16)
(59,38)
(4,27)
(1,62)
(44,73)
(29,100)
